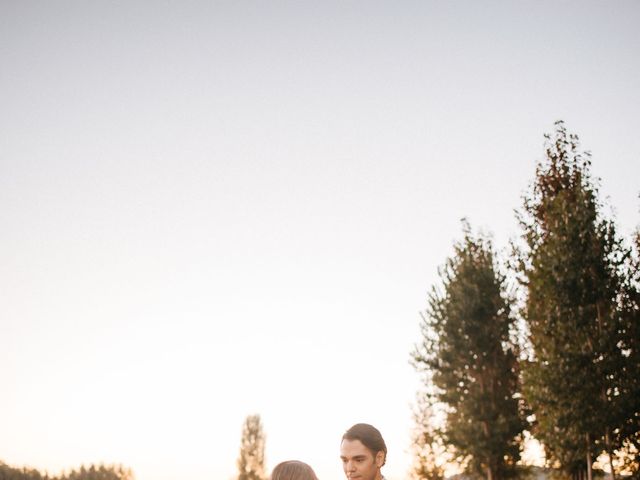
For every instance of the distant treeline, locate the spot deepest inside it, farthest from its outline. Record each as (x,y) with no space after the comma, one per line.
(93,472)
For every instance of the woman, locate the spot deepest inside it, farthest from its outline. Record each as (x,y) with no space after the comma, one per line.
(293,470)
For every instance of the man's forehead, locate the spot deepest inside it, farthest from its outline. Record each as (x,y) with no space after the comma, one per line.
(354,448)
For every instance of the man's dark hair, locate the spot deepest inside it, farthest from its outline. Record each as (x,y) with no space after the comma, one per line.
(370,437)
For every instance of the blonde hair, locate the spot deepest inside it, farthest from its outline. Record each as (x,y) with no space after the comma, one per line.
(293,470)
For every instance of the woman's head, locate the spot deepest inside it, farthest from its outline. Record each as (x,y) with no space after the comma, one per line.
(293,470)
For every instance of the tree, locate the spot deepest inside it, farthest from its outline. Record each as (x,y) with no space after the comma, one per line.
(469,361)
(251,459)
(429,452)
(626,438)
(579,312)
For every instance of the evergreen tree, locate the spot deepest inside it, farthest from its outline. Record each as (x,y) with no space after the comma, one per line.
(578,311)
(251,459)
(470,362)
(626,437)
(429,452)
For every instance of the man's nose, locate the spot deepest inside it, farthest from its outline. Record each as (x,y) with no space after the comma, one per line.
(351,466)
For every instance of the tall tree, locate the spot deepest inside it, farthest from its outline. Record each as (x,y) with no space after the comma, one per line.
(429,452)
(252,443)
(469,362)
(577,310)
(626,436)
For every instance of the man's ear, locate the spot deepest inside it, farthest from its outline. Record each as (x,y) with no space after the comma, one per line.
(380,459)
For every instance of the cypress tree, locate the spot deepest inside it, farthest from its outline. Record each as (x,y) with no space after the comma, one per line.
(252,443)
(575,269)
(470,362)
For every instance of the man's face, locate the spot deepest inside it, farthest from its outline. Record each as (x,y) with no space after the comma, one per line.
(359,462)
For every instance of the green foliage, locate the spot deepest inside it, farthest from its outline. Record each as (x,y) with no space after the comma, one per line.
(100,472)
(251,459)
(469,361)
(580,311)
(626,437)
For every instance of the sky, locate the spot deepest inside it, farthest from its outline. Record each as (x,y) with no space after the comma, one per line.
(215,209)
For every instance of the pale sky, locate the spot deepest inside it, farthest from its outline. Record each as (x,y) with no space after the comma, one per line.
(214,209)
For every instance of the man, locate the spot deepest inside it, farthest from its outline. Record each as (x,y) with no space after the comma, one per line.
(363,453)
